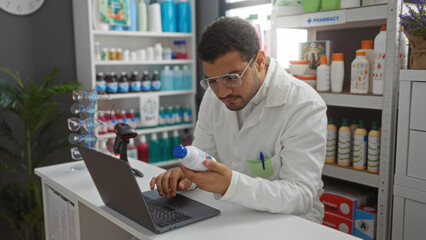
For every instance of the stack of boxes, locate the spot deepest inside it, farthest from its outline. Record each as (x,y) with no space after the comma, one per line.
(349,210)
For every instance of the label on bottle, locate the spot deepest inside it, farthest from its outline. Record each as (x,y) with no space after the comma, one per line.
(162,120)
(360,151)
(111,125)
(132,122)
(331,146)
(135,86)
(170,119)
(379,66)
(178,117)
(123,87)
(156,86)
(132,153)
(146,86)
(344,148)
(187,117)
(373,155)
(101,86)
(359,77)
(112,87)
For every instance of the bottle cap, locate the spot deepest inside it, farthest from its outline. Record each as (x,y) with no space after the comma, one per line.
(345,122)
(338,57)
(330,120)
(323,60)
(374,127)
(360,124)
(154,137)
(180,151)
(175,133)
(382,27)
(143,139)
(360,53)
(167,67)
(367,44)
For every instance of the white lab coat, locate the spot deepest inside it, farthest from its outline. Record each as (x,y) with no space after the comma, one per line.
(289,125)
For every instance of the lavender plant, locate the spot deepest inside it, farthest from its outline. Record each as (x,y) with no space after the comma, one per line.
(414,22)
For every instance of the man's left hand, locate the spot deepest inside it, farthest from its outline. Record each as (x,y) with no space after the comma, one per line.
(216,180)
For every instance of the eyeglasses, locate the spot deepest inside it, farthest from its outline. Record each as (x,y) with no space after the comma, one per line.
(74,124)
(230,80)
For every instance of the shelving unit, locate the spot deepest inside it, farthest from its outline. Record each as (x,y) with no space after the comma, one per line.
(87,66)
(360,18)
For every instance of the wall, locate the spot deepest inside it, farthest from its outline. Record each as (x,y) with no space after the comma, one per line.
(33,45)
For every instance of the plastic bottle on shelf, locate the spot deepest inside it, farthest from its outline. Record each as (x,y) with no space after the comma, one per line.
(323,75)
(123,83)
(187,114)
(166,148)
(143,149)
(121,116)
(177,115)
(353,127)
(133,16)
(192,157)
(112,121)
(142,16)
(367,47)
(154,17)
(132,152)
(330,156)
(373,153)
(158,52)
(112,85)
(360,73)
(104,127)
(180,49)
(168,16)
(167,79)
(145,82)
(131,118)
(186,138)
(344,144)
(360,147)
(98,53)
(177,78)
(169,116)
(154,149)
(155,83)
(117,28)
(162,120)
(184,16)
(379,61)
(337,72)
(186,78)
(135,82)
(403,50)
(175,140)
(100,82)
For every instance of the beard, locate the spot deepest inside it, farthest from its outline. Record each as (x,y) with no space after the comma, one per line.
(244,100)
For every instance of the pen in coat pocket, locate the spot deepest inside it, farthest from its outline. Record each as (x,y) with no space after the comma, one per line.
(263,160)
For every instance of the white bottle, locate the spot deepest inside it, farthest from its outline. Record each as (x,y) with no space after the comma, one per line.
(344,145)
(192,157)
(379,61)
(373,154)
(158,52)
(403,50)
(323,75)
(360,74)
(154,17)
(367,47)
(360,147)
(337,73)
(142,16)
(330,156)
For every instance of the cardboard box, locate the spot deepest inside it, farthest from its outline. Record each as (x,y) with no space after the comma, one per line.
(338,222)
(365,222)
(343,200)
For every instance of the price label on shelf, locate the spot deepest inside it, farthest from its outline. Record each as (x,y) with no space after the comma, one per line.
(324,18)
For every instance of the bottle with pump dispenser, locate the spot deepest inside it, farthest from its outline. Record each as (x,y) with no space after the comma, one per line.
(344,145)
(330,156)
(154,149)
(323,75)
(143,149)
(337,72)
(373,153)
(192,157)
(166,148)
(360,73)
(379,61)
(360,147)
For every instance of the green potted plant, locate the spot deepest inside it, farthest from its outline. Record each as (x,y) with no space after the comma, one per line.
(33,104)
(414,25)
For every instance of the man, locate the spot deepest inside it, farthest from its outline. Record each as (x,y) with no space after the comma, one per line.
(266,129)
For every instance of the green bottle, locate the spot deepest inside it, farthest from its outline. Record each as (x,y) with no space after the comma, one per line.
(166,148)
(154,149)
(175,140)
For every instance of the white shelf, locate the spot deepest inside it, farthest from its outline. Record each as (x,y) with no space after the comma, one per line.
(355,17)
(352,175)
(352,100)
(142,34)
(412,75)
(159,93)
(166,163)
(133,63)
(152,130)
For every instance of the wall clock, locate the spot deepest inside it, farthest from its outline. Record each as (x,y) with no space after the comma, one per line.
(20,7)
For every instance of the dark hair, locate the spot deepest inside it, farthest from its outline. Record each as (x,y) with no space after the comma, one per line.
(225,35)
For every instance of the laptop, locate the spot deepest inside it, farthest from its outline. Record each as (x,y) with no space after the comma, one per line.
(119,190)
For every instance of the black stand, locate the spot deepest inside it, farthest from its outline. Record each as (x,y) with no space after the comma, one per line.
(123,156)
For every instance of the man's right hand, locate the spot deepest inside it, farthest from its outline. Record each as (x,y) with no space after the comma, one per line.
(170,182)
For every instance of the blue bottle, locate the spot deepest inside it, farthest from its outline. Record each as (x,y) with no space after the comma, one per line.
(177,78)
(168,16)
(154,149)
(175,140)
(166,148)
(184,16)
(133,12)
(166,77)
(187,78)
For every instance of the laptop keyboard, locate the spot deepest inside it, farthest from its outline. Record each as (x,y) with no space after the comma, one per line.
(164,216)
